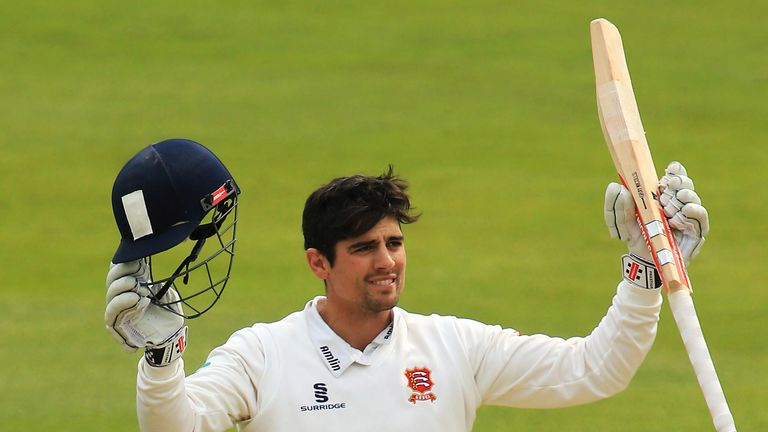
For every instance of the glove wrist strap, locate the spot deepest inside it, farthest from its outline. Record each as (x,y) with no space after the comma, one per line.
(168,351)
(640,272)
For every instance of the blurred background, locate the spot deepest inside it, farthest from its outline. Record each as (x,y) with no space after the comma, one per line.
(486,107)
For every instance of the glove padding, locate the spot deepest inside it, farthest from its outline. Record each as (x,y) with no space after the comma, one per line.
(682,207)
(622,222)
(131,317)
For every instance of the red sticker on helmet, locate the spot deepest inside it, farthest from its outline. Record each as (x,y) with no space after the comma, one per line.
(219,195)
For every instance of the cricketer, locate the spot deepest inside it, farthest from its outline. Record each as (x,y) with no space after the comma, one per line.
(352,359)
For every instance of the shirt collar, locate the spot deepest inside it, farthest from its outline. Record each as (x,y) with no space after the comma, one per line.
(336,353)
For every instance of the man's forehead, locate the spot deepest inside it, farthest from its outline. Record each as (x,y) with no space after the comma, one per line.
(385,228)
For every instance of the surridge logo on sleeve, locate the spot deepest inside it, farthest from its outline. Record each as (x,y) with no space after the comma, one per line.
(420,381)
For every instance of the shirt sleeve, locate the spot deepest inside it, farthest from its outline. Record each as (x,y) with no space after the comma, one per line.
(539,371)
(214,398)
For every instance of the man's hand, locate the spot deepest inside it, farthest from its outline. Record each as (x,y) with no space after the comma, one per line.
(682,207)
(135,322)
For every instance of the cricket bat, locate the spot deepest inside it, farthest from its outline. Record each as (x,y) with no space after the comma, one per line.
(625,136)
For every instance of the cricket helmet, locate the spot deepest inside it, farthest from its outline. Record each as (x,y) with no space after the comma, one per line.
(169,192)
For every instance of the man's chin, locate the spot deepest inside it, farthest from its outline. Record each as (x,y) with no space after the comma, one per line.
(383,304)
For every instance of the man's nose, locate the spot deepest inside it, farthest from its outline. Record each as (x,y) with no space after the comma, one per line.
(384,258)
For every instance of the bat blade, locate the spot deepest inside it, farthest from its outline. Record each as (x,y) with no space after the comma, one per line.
(625,136)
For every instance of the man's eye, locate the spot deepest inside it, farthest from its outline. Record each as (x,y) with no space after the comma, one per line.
(395,243)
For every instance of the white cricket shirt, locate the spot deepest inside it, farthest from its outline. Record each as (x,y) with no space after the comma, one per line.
(429,373)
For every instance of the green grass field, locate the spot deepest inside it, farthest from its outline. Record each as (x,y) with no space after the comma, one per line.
(487,107)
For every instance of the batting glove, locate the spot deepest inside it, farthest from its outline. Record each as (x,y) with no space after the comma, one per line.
(637,266)
(682,207)
(622,222)
(135,322)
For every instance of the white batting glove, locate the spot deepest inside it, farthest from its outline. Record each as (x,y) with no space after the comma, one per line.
(622,222)
(682,206)
(619,211)
(135,322)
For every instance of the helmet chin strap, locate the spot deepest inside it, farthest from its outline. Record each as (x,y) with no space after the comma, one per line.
(200,234)
(184,265)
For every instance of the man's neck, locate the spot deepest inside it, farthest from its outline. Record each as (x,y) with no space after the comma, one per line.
(357,328)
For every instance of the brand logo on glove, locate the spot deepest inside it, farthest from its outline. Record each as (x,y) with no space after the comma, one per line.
(180,344)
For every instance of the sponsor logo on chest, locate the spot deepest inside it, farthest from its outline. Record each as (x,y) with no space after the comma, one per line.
(321,398)
(418,379)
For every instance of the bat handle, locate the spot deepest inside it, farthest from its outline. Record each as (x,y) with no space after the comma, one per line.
(687,320)
(664,252)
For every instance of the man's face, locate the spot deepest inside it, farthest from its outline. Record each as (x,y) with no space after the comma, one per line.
(368,274)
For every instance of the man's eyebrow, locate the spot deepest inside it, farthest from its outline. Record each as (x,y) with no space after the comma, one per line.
(362,243)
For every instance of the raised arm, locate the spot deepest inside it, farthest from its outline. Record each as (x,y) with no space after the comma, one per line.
(539,371)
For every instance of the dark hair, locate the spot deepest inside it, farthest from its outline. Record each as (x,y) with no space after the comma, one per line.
(347,207)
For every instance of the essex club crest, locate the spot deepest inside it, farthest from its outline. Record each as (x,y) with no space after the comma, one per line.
(420,381)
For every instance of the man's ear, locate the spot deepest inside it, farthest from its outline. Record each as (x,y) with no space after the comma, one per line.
(318,263)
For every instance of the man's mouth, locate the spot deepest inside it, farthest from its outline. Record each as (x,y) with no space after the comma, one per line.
(383,282)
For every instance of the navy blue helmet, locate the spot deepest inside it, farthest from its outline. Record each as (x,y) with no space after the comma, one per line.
(169,192)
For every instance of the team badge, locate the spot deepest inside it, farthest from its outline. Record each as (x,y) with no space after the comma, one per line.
(420,381)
